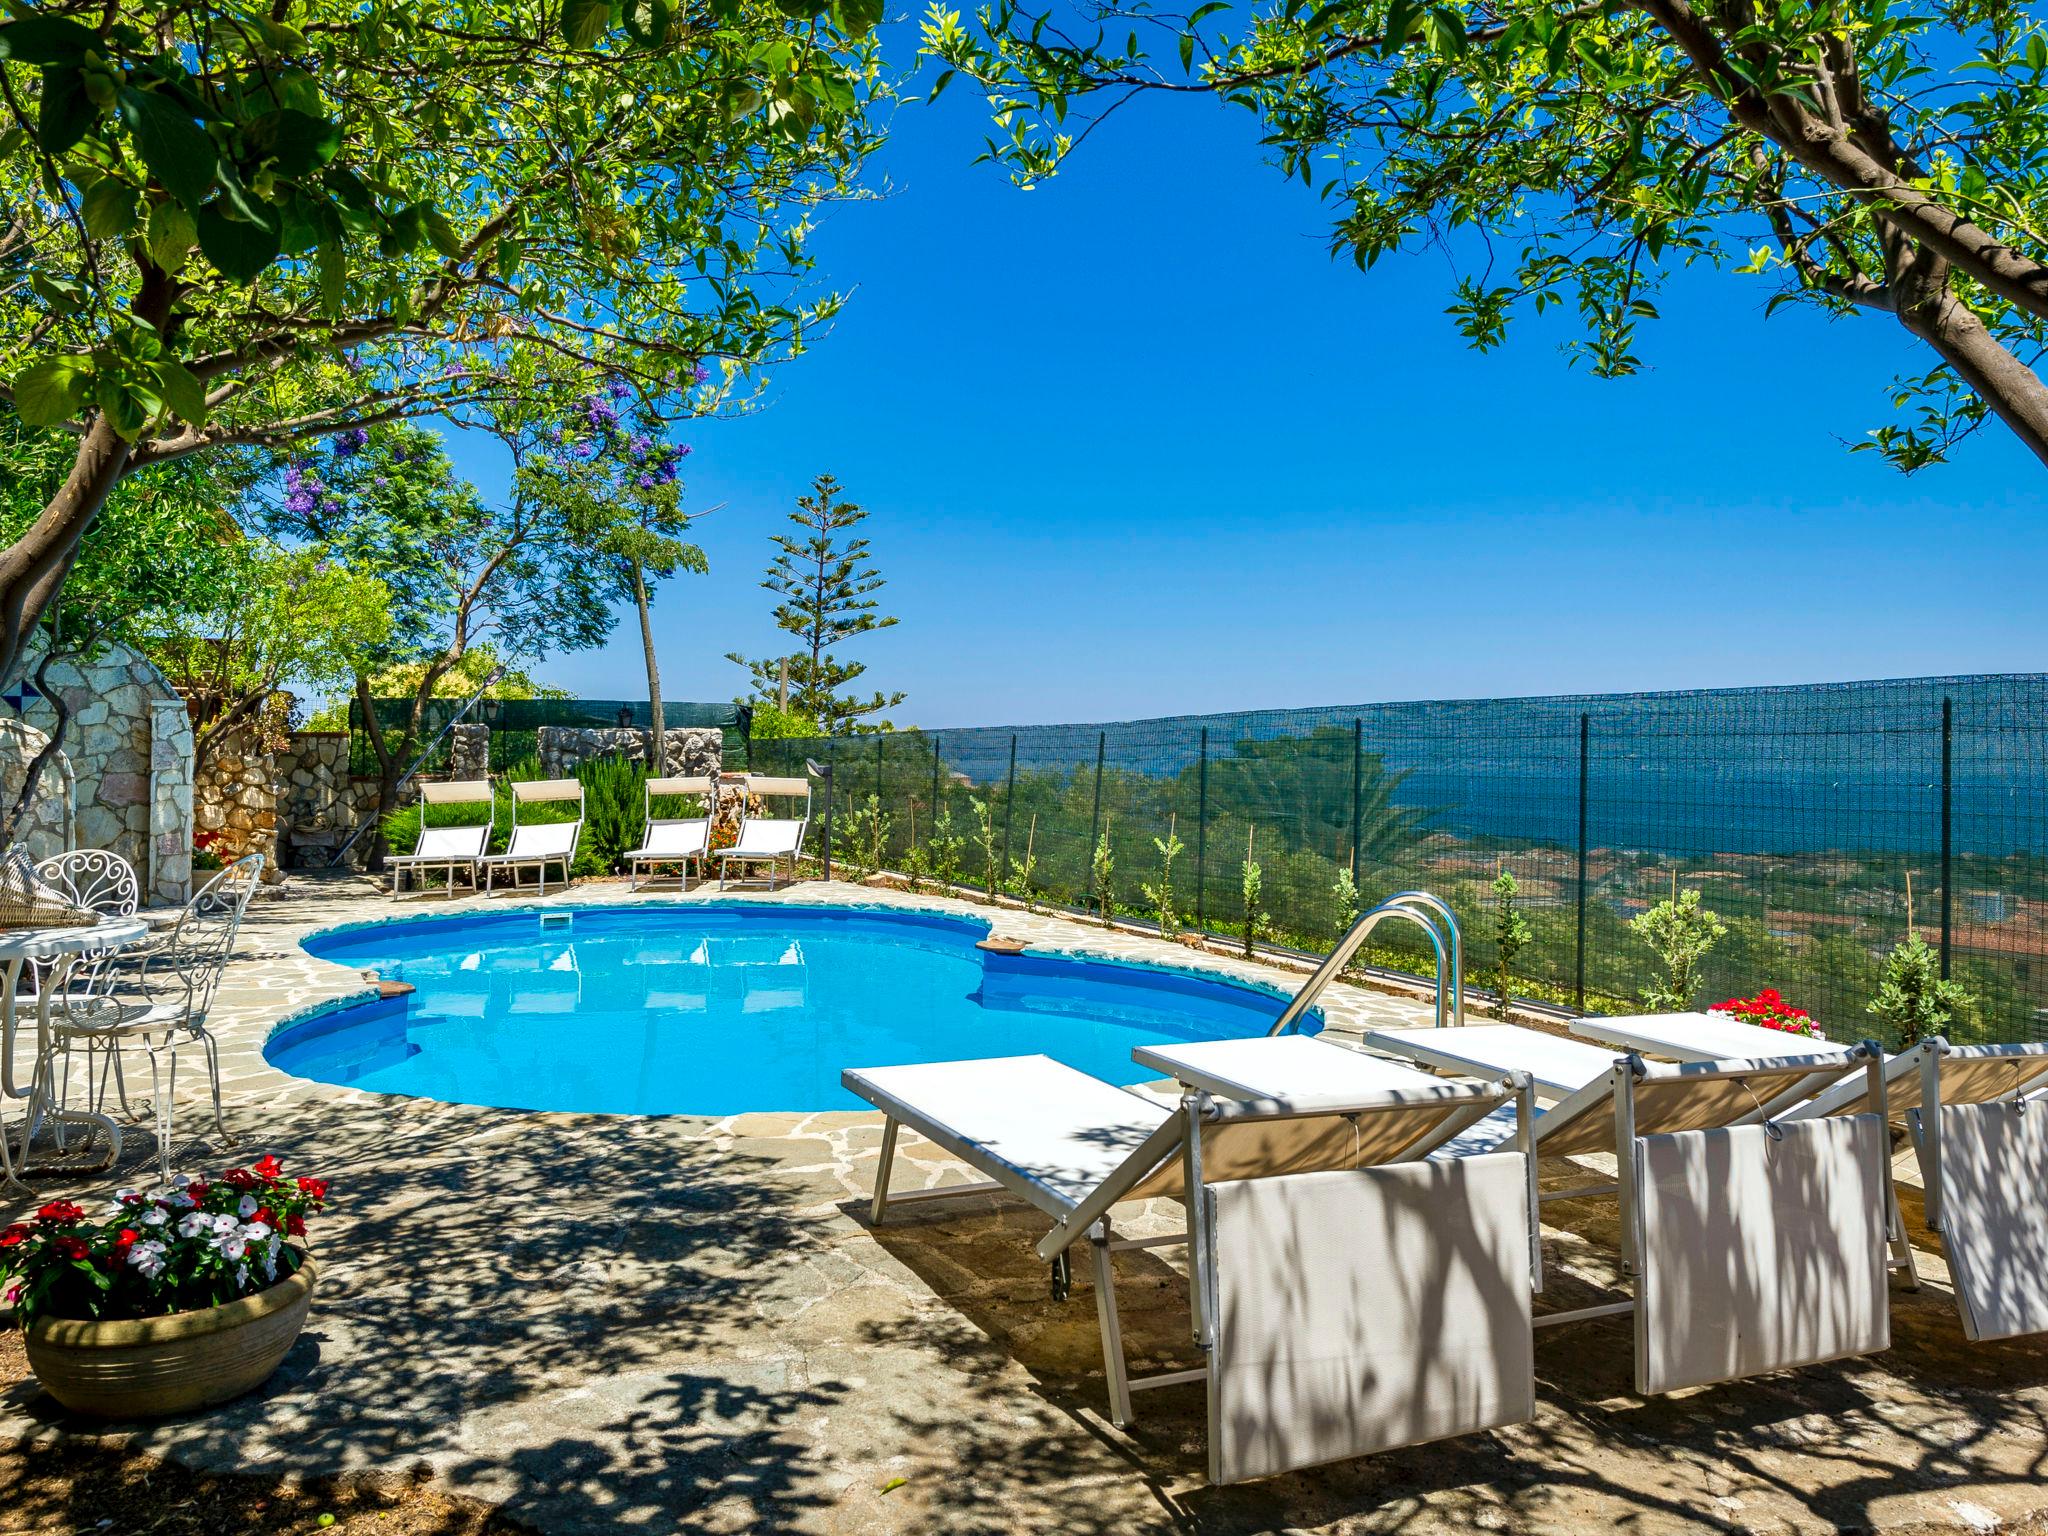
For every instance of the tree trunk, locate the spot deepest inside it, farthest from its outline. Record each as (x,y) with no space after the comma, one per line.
(33,568)
(657,736)
(387,771)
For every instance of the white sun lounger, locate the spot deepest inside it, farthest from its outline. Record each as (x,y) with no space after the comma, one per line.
(1699,1037)
(536,845)
(768,840)
(1319,1346)
(446,848)
(1980,1132)
(674,840)
(1755,1243)
(1989,1164)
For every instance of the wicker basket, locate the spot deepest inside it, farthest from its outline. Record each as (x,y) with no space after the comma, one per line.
(29,901)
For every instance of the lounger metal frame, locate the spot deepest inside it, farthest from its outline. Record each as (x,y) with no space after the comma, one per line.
(755,784)
(706,788)
(1178,1135)
(536,792)
(452,792)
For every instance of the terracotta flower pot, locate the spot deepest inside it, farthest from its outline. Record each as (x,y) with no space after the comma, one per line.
(148,1367)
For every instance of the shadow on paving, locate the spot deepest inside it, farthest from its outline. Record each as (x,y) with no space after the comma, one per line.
(552,1314)
(1844,1445)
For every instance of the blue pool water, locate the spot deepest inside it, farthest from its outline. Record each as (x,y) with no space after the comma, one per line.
(716,1008)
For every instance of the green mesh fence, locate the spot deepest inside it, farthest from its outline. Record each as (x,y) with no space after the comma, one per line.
(515,724)
(1801,814)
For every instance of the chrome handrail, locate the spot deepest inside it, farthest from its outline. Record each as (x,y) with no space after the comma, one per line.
(1424,898)
(1412,906)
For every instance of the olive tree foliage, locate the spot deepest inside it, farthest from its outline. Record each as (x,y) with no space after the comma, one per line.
(1865,156)
(232,226)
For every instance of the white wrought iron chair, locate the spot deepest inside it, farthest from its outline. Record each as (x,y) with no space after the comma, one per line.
(101,881)
(161,1007)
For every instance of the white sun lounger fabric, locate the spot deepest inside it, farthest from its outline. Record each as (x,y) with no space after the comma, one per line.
(1761,1248)
(1701,1037)
(1040,1128)
(1366,1309)
(1994,1215)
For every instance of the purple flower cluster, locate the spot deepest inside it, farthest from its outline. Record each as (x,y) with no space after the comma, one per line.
(350,443)
(302,488)
(602,415)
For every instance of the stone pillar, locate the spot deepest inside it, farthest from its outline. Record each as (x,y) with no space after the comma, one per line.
(168,880)
(469,751)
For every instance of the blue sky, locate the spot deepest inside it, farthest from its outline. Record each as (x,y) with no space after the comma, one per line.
(1134,444)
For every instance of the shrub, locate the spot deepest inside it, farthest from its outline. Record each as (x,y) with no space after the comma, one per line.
(1915,1000)
(1510,935)
(1679,931)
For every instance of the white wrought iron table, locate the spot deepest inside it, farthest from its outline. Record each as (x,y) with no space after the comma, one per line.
(60,949)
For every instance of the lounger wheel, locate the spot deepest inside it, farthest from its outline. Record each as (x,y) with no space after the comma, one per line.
(1062,1279)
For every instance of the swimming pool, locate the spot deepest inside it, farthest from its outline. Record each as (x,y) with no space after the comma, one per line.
(713,1008)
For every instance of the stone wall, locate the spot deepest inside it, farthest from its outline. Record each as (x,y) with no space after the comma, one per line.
(130,746)
(295,806)
(234,803)
(47,830)
(692,751)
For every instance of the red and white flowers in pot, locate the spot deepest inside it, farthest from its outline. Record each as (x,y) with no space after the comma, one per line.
(174,1299)
(1768,1010)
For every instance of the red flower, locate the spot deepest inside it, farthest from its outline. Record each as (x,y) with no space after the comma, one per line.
(239,1178)
(59,1210)
(295,1226)
(317,1188)
(13,1236)
(267,1216)
(197,1189)
(70,1247)
(127,1238)
(267,1167)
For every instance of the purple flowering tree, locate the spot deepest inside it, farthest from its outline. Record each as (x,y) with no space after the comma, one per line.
(523,574)
(611,465)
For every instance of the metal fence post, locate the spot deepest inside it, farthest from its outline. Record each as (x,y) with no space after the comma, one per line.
(1948,794)
(1095,816)
(1202,835)
(1585,743)
(1357,796)
(935,783)
(1009,805)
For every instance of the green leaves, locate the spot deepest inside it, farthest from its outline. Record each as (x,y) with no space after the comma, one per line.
(584,22)
(177,151)
(172,234)
(296,143)
(182,391)
(240,248)
(54,390)
(67,110)
(108,208)
(45,40)
(648,21)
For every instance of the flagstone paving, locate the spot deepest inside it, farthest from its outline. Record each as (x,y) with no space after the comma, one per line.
(686,1324)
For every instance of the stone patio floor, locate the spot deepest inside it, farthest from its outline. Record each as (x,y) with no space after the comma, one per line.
(686,1324)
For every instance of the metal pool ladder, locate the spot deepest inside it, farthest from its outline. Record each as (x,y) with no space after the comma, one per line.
(1433,915)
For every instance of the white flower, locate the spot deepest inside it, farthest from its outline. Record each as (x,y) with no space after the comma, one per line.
(242,1276)
(225,1224)
(148,1256)
(154,1216)
(246,1206)
(180,1201)
(194,1224)
(230,1245)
